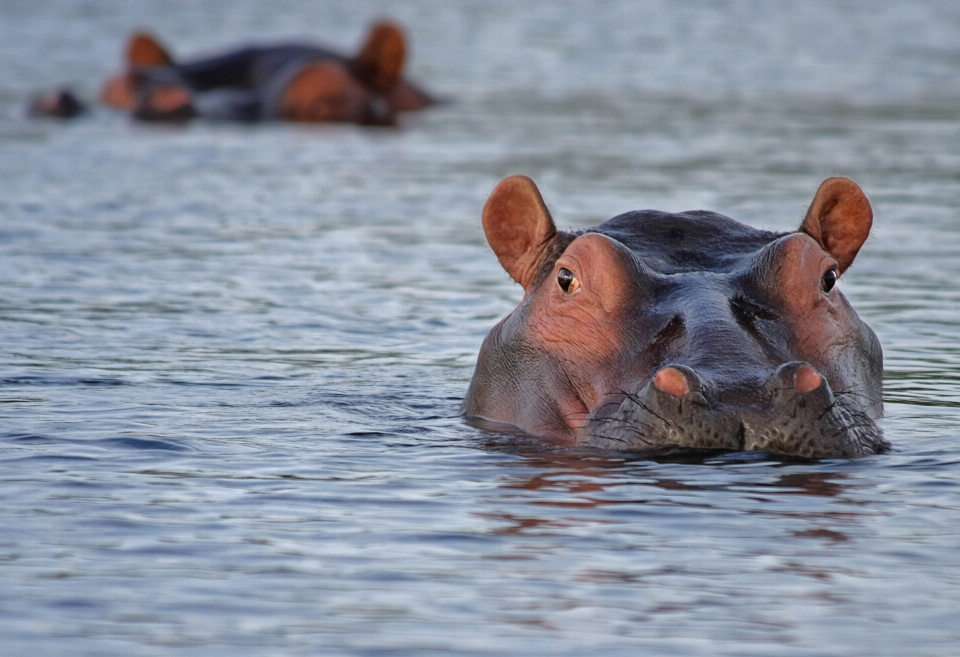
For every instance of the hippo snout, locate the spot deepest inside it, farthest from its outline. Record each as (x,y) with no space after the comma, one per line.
(793,412)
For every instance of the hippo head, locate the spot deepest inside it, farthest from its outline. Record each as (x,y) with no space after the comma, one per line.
(660,332)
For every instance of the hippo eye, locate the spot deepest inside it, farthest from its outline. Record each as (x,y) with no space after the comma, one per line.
(567,281)
(829,280)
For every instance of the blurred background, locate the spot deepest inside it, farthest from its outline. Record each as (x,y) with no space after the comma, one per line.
(232,356)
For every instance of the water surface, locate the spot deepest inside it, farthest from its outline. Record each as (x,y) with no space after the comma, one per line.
(231,357)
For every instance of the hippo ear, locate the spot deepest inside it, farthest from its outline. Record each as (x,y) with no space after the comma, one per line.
(839,219)
(518,227)
(145,51)
(380,60)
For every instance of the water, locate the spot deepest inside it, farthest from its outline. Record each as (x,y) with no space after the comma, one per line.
(231,357)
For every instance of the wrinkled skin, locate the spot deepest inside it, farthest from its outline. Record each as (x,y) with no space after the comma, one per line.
(659,332)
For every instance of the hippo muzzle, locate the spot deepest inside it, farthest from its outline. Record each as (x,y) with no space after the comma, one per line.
(658,332)
(793,412)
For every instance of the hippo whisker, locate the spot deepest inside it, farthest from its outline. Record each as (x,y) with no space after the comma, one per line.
(857,396)
(829,409)
(638,435)
(649,410)
(634,426)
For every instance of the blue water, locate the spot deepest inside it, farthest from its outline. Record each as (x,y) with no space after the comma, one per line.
(231,357)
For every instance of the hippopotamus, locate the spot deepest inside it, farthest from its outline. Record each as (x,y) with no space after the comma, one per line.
(285,81)
(659,332)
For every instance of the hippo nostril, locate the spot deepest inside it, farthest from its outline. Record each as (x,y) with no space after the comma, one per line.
(797,376)
(672,381)
(806,379)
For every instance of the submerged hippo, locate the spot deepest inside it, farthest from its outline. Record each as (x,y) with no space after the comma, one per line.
(285,81)
(659,332)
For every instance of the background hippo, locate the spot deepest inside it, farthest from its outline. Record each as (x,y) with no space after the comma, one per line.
(657,331)
(286,81)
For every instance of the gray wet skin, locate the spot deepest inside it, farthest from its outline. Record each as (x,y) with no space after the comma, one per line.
(655,332)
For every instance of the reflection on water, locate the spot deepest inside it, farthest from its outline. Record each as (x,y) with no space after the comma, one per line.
(231,357)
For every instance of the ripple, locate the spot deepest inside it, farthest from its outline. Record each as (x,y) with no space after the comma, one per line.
(233,356)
